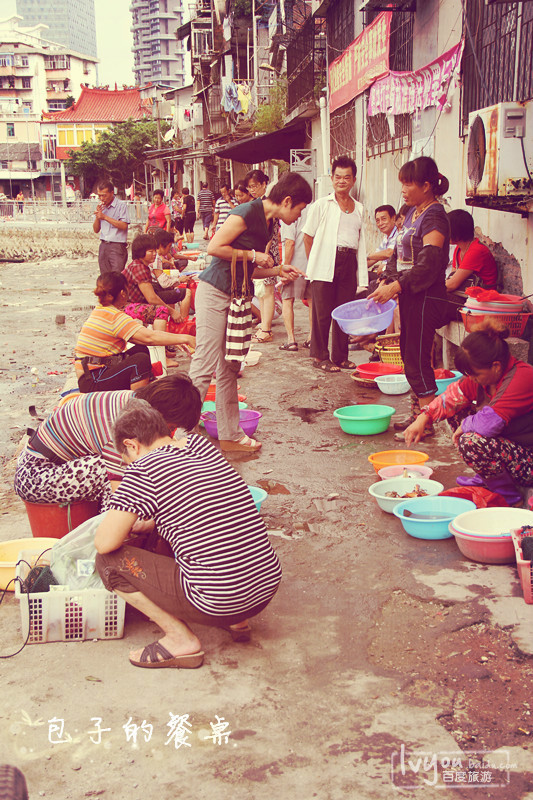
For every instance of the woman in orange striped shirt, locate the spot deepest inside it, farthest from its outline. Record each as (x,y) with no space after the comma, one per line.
(102,361)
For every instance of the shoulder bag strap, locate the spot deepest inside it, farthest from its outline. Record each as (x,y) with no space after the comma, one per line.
(234,274)
(245,286)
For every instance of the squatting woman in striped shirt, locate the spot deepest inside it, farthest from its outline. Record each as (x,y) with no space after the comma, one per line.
(223,569)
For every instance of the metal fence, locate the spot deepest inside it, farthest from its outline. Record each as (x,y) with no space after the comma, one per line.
(75,211)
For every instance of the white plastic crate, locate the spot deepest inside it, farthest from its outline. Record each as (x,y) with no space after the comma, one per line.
(67,616)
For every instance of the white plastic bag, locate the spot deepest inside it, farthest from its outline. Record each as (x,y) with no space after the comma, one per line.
(72,558)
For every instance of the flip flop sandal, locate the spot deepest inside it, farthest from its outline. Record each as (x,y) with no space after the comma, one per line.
(326,366)
(244,445)
(307,343)
(150,660)
(266,338)
(347,365)
(290,346)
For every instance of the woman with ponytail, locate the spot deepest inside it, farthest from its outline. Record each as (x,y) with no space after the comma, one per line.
(494,436)
(416,274)
(102,362)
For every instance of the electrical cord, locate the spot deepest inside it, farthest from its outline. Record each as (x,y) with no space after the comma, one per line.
(25,589)
(524,157)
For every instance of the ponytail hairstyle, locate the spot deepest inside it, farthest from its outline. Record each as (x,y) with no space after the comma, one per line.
(481,348)
(424,169)
(109,284)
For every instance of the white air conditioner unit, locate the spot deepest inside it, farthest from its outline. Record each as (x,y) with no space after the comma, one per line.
(499,148)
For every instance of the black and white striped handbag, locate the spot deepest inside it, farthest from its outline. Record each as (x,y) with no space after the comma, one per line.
(239,327)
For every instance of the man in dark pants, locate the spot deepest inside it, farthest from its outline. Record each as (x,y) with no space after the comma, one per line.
(111,220)
(335,246)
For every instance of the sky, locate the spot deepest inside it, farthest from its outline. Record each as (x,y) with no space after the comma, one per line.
(114,39)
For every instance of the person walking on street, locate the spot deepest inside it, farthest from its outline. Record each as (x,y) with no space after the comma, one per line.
(335,246)
(223,206)
(111,220)
(189,215)
(294,254)
(206,207)
(158,213)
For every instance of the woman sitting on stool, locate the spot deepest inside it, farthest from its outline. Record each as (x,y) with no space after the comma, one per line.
(102,361)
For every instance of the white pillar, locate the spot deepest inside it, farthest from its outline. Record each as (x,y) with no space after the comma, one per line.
(63,184)
(324,132)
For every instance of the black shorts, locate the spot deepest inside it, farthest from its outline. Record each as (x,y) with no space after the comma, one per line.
(188,221)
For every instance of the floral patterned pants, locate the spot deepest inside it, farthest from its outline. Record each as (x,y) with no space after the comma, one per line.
(490,456)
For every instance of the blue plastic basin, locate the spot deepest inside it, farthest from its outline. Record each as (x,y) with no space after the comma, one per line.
(446,508)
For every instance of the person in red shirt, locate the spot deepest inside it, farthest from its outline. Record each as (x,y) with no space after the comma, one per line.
(159,213)
(491,411)
(473,263)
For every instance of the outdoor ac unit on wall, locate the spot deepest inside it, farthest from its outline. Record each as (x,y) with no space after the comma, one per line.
(499,147)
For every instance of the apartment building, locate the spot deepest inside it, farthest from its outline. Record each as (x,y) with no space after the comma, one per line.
(70,22)
(158,56)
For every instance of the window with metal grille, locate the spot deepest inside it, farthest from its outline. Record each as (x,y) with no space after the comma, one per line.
(340,34)
(498,58)
(379,138)
(342,131)
(306,63)
(340,28)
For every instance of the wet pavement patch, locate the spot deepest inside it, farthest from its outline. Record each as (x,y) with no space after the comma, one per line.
(306,414)
(482,682)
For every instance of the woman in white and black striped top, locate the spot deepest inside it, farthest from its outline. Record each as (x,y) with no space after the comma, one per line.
(224,569)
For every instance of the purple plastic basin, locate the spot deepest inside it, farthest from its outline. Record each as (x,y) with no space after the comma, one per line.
(248,420)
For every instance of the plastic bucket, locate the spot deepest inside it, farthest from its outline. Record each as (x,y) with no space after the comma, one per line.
(56,521)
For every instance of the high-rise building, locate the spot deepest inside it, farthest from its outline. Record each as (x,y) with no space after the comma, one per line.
(70,22)
(157,55)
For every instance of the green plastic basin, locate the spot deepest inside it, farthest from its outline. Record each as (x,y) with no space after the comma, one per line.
(364,419)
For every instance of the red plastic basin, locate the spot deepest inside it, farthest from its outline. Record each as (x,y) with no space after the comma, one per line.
(373,370)
(56,521)
(485,549)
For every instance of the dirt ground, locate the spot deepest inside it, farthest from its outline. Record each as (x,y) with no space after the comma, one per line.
(385,665)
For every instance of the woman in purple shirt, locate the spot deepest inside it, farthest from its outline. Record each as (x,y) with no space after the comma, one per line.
(416,273)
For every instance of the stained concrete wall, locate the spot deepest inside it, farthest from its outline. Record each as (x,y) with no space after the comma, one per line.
(48,240)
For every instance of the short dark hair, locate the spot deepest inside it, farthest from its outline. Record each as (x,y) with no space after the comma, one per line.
(105,185)
(110,283)
(138,420)
(461,225)
(292,185)
(403,210)
(185,190)
(389,209)
(158,191)
(163,237)
(176,398)
(256,175)
(224,186)
(241,186)
(141,244)
(344,162)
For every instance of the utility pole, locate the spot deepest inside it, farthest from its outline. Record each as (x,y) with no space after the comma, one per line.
(256,66)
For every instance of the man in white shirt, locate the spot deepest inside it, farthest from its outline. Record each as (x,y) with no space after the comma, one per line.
(336,251)
(294,253)
(386,224)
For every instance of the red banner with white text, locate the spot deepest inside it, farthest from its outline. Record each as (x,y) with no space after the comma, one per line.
(365,60)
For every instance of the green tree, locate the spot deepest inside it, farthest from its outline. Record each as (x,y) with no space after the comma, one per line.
(118,153)
(270,116)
